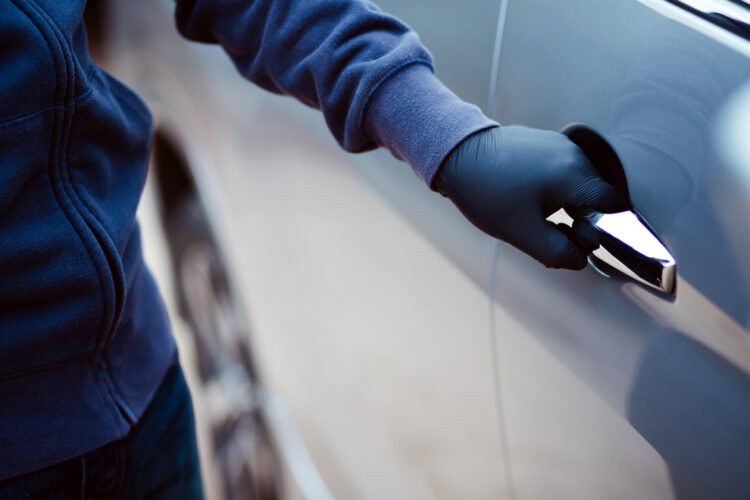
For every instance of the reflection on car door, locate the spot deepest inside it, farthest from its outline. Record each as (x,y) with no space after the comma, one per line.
(620,391)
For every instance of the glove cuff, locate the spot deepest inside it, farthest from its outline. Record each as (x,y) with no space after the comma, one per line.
(419,120)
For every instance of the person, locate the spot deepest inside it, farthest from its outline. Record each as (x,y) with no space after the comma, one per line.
(92,400)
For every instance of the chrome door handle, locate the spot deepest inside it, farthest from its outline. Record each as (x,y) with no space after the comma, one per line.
(628,244)
(631,247)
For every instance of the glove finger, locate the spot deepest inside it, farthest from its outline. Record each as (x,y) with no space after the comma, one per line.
(593,194)
(585,236)
(559,250)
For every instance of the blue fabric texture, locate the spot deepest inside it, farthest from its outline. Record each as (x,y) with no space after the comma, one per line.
(157,459)
(366,71)
(412,100)
(84,338)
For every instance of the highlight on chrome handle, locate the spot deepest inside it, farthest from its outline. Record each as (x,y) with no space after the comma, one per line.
(629,246)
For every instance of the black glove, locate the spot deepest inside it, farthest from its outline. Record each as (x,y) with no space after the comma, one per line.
(508,180)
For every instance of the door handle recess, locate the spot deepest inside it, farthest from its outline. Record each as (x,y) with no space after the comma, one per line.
(628,244)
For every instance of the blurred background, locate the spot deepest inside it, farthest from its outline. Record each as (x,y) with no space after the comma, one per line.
(347,334)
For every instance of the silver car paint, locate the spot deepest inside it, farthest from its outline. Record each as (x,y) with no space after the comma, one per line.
(676,371)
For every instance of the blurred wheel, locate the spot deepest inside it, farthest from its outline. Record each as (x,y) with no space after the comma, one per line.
(242,447)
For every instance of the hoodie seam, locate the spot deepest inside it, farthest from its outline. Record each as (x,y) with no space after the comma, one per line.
(112,275)
(16,119)
(62,122)
(108,250)
(105,395)
(106,261)
(28,372)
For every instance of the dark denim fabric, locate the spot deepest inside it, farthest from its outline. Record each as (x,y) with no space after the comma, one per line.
(157,459)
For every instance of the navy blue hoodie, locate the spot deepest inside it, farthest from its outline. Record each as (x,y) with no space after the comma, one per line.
(84,338)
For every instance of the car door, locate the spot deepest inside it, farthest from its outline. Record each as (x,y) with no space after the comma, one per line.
(612,390)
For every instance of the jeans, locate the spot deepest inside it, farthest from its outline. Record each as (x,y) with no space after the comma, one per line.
(157,459)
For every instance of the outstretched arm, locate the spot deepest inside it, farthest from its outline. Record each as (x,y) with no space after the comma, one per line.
(373,81)
(366,70)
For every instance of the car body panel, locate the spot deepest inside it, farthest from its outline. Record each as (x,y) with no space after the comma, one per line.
(674,369)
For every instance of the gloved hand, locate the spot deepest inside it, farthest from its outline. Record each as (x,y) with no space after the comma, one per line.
(508,180)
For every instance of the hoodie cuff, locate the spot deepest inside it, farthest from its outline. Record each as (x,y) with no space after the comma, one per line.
(419,120)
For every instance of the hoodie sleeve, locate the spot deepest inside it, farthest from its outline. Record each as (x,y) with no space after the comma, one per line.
(366,71)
